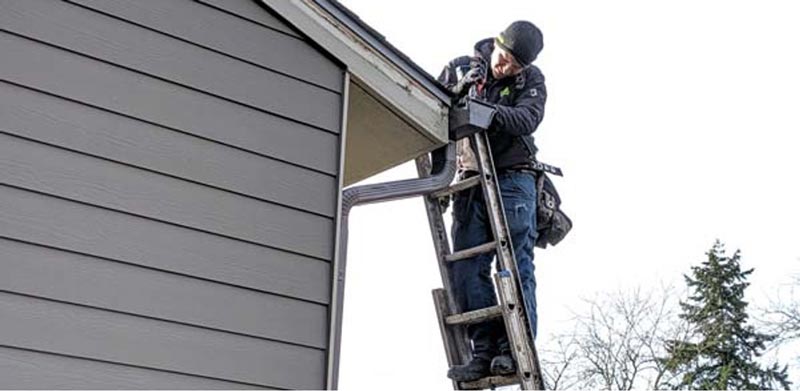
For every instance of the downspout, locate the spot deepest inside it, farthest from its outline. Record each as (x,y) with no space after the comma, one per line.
(465,119)
(444,170)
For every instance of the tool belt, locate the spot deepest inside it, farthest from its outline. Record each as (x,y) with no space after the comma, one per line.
(536,167)
(532,167)
(552,224)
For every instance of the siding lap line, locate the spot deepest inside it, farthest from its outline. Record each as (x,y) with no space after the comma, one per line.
(15,135)
(206,47)
(173,82)
(165,320)
(137,366)
(242,17)
(160,270)
(317,258)
(183,132)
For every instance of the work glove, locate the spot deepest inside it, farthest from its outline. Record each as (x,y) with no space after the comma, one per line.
(476,74)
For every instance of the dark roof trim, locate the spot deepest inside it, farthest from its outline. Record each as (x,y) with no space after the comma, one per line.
(379,43)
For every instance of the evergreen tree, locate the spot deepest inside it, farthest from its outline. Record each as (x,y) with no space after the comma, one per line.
(722,352)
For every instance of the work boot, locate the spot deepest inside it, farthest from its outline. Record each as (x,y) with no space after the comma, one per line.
(503,364)
(476,369)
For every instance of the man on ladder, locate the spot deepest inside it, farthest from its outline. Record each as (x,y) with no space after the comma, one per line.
(516,88)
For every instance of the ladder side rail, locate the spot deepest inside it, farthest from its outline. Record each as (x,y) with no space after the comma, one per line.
(517,327)
(494,206)
(458,336)
(509,288)
(454,342)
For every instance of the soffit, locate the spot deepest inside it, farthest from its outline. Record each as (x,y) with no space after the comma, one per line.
(395,110)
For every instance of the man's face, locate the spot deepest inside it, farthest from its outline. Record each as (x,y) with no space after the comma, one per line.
(504,64)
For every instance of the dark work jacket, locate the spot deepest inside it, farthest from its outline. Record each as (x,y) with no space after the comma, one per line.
(519,101)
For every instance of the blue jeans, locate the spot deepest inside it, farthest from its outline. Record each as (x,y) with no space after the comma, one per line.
(471,280)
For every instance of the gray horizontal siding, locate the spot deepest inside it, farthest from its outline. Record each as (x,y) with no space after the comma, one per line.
(169,174)
(96,132)
(99,36)
(249,10)
(227,34)
(74,278)
(31,165)
(105,86)
(132,340)
(24,369)
(86,229)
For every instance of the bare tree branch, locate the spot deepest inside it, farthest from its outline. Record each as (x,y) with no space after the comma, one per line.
(782,316)
(617,343)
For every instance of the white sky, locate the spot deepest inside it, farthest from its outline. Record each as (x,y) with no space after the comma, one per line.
(676,122)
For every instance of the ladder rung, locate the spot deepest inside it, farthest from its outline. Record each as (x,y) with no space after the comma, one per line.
(471,252)
(490,382)
(459,186)
(474,316)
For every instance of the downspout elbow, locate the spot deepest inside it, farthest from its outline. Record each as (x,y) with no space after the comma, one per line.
(443,172)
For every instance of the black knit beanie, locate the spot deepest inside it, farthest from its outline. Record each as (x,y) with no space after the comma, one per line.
(523,40)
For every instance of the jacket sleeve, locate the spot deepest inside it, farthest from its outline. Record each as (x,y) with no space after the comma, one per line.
(527,111)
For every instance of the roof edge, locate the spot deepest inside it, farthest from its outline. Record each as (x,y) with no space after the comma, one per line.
(379,43)
(382,70)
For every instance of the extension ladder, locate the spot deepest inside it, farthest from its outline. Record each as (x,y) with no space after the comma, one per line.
(511,307)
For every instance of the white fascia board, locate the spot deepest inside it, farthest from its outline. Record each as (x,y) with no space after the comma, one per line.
(369,68)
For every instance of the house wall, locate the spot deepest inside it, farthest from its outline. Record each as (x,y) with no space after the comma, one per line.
(169,174)
(396,112)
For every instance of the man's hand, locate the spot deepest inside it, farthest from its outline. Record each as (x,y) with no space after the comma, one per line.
(475,75)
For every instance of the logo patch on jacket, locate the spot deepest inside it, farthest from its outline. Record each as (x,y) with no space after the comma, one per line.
(534,92)
(505,92)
